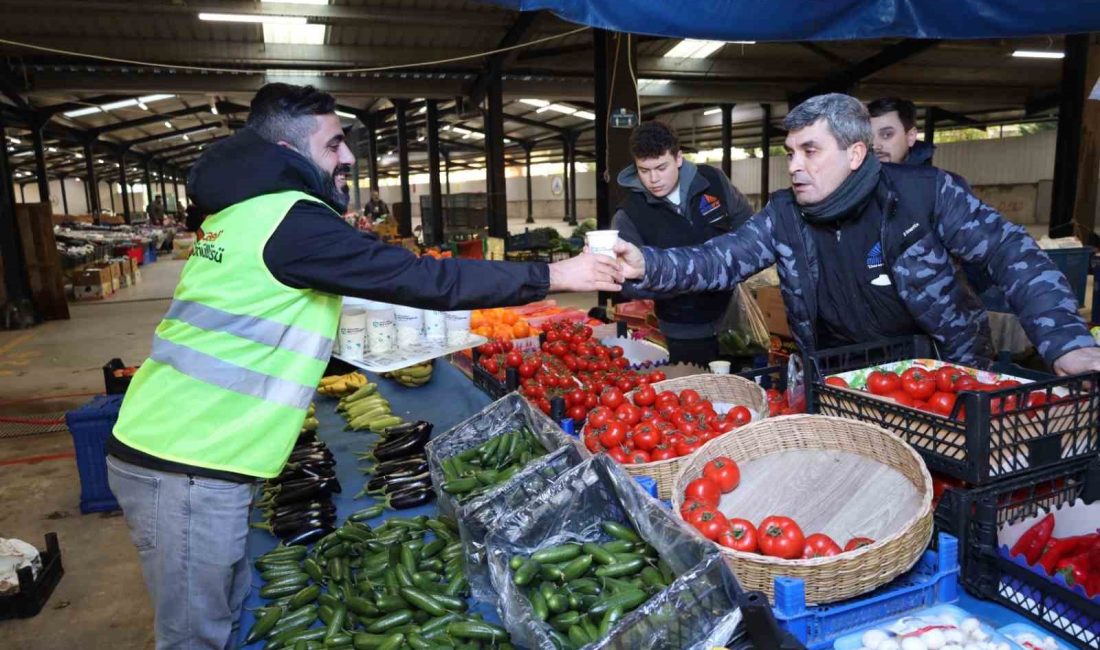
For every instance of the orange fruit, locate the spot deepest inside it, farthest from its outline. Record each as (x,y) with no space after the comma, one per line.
(509,317)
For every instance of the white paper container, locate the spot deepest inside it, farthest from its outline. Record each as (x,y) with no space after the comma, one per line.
(601,242)
(410,325)
(381,328)
(435,325)
(458,326)
(351,335)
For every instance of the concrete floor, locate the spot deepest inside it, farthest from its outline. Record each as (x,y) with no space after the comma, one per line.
(101,600)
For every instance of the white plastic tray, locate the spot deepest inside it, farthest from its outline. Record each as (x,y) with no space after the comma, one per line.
(404,357)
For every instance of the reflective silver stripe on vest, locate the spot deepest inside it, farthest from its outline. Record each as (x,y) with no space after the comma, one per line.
(212,370)
(253,328)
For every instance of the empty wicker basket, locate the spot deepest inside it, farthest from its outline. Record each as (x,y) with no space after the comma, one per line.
(725,389)
(835,476)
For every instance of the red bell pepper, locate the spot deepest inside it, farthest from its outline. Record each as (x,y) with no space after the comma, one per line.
(1075,570)
(1065,548)
(1032,542)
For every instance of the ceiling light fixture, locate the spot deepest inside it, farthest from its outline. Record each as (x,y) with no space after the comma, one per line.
(253,18)
(535,102)
(350,116)
(125,103)
(586,115)
(691,48)
(142,106)
(712,111)
(213,108)
(167,125)
(1038,54)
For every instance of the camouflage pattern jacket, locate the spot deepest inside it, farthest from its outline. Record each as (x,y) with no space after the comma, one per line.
(931,225)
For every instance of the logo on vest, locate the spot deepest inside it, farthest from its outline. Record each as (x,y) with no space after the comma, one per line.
(708,204)
(205,247)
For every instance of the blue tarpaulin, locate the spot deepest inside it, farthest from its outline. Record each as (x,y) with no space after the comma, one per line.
(820,20)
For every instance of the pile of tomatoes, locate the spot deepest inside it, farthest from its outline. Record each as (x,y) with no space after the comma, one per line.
(655,426)
(570,364)
(936,390)
(775,536)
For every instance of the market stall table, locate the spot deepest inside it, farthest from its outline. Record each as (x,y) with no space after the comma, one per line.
(446,401)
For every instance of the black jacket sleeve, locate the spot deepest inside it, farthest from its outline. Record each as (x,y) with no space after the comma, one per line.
(315,249)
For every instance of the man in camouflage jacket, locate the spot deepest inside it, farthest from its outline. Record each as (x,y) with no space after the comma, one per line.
(916,225)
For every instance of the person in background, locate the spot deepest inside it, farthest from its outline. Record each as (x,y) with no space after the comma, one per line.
(674,202)
(247,337)
(155,211)
(376,209)
(867,251)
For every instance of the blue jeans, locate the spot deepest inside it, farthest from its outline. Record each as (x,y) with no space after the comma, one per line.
(191,535)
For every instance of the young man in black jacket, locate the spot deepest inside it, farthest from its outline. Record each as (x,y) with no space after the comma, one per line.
(674,202)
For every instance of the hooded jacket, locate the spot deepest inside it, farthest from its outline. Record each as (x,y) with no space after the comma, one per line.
(682,317)
(932,224)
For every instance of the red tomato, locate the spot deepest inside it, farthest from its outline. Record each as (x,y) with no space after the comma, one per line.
(645,396)
(591,401)
(489,349)
(919,383)
(616,352)
(506,346)
(858,542)
(552,336)
(490,364)
(599,416)
(781,537)
(628,414)
(818,545)
(1034,400)
(662,452)
(667,396)
(613,435)
(575,397)
(725,426)
(625,384)
(902,397)
(724,472)
(966,382)
(689,397)
(526,370)
(638,457)
(705,490)
(592,442)
(942,403)
(513,360)
(611,397)
(648,414)
(691,508)
(1008,383)
(657,376)
(946,377)
(646,437)
(883,383)
(619,455)
(621,363)
(836,381)
(544,405)
(739,415)
(668,411)
(741,536)
(711,523)
(688,446)
(577,413)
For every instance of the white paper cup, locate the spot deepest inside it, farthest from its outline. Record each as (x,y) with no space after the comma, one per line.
(435,325)
(351,336)
(458,326)
(381,328)
(601,242)
(410,325)
(720,367)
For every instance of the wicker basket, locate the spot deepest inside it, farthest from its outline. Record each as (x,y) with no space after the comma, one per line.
(832,578)
(729,389)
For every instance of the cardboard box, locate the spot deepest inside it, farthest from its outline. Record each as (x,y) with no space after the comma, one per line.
(93,284)
(124,270)
(111,279)
(134,271)
(775,314)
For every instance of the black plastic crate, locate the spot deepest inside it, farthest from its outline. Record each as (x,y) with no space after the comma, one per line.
(111,384)
(984,446)
(492,386)
(975,515)
(767,377)
(34,592)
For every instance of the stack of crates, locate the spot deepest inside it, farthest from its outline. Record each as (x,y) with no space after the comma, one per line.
(1013,465)
(91,426)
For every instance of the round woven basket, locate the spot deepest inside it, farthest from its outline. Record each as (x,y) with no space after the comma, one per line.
(727,389)
(827,579)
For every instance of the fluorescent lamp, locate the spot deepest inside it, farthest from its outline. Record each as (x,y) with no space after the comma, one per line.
(142,105)
(213,108)
(741,42)
(51,149)
(1038,54)
(21,154)
(14,140)
(80,155)
(420,139)
(459,129)
(253,18)
(587,115)
(149,99)
(98,161)
(185,137)
(167,125)
(535,102)
(560,108)
(140,101)
(423,109)
(712,111)
(691,48)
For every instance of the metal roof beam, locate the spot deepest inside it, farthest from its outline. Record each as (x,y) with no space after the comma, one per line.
(844,80)
(151,119)
(170,134)
(497,62)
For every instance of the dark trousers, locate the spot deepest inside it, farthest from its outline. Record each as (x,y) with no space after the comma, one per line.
(697,351)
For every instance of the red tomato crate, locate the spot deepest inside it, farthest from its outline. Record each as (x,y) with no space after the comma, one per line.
(985,446)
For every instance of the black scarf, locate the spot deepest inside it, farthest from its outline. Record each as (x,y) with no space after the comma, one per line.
(852,192)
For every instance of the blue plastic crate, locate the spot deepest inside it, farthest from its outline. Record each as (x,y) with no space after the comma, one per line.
(151,253)
(90,426)
(1074,263)
(933,581)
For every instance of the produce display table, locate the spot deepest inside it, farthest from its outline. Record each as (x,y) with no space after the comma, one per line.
(446,401)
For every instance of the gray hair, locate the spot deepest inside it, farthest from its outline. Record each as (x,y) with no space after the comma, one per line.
(846,116)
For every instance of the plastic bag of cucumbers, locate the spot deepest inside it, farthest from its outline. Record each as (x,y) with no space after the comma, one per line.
(595,562)
(481,455)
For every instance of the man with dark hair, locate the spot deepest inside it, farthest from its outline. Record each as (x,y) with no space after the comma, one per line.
(674,202)
(236,361)
(376,209)
(894,127)
(867,251)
